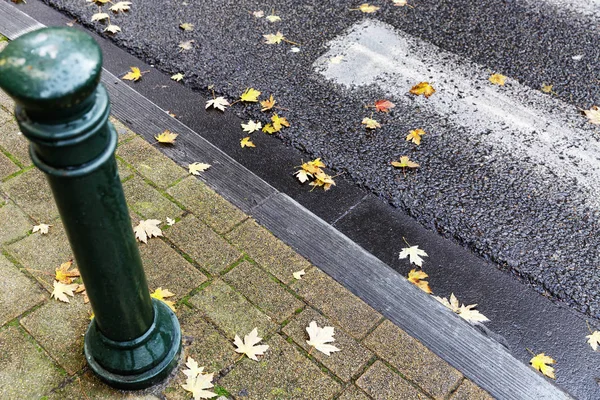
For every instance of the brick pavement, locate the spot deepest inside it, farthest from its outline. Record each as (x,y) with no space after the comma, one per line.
(228,274)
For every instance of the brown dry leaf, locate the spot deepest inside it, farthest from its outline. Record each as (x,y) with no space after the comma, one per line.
(404,163)
(134,75)
(166,137)
(541,363)
(423,88)
(63,275)
(593,115)
(415,136)
(267,104)
(416,278)
(370,123)
(147,229)
(61,291)
(246,142)
(160,294)
(384,105)
(497,79)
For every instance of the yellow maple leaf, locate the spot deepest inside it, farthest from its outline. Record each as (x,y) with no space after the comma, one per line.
(177,77)
(593,115)
(250,95)
(370,123)
(270,129)
(313,166)
(498,79)
(186,26)
(547,88)
(134,75)
(160,294)
(416,278)
(415,136)
(322,179)
(366,8)
(278,122)
(267,104)
(423,88)
(246,142)
(404,163)
(276,38)
(166,137)
(63,275)
(540,362)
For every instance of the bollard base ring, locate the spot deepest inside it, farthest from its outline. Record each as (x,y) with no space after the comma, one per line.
(141,362)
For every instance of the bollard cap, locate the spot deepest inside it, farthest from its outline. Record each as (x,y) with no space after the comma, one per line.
(51,69)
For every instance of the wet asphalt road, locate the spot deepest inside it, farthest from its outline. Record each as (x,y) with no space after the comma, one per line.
(540,226)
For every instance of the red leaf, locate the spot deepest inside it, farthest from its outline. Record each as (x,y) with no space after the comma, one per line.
(384,105)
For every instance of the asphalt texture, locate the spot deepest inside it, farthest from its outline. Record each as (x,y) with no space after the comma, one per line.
(534,225)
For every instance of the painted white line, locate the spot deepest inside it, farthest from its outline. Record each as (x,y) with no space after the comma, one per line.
(514,119)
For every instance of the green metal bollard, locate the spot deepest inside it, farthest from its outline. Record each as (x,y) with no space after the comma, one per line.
(53,75)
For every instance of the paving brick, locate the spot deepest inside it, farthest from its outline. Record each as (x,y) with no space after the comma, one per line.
(7,167)
(148,202)
(230,311)
(382,383)
(26,372)
(270,252)
(4,115)
(88,387)
(42,254)
(345,363)
(31,192)
(59,328)
(150,162)
(262,290)
(165,268)
(343,308)
(283,373)
(353,393)
(13,223)
(207,205)
(470,391)
(17,292)
(123,132)
(208,249)
(124,171)
(415,361)
(13,141)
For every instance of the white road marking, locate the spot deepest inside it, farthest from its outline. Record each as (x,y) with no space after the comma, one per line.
(513,119)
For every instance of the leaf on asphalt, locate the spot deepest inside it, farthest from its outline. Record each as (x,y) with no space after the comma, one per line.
(147,229)
(100,17)
(219,103)
(267,104)
(423,88)
(279,122)
(160,294)
(246,142)
(273,18)
(186,26)
(268,128)
(64,274)
(322,180)
(187,45)
(384,105)
(250,95)
(466,312)
(594,340)
(42,228)
(197,382)
(416,278)
(177,77)
(547,88)
(276,38)
(298,274)
(252,126)
(319,337)
(312,169)
(370,123)
(541,363)
(196,168)
(498,79)
(61,291)
(366,8)
(400,3)
(258,14)
(302,175)
(295,49)
(166,137)
(415,136)
(134,75)
(112,29)
(414,255)
(121,6)
(593,115)
(404,163)
(249,345)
